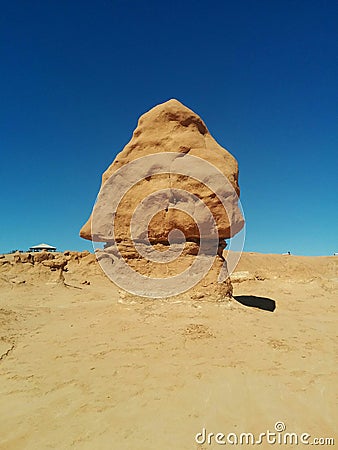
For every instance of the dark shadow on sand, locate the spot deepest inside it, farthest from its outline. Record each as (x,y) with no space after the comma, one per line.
(256,302)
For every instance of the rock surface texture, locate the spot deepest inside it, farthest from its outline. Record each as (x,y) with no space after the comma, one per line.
(171,183)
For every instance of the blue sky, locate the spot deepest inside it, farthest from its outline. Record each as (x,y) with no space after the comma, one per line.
(75,76)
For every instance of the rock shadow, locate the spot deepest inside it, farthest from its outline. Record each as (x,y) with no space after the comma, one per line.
(267,304)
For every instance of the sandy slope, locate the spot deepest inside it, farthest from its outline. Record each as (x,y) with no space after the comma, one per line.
(83,368)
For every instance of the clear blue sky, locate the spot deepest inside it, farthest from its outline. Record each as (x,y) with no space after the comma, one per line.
(75,76)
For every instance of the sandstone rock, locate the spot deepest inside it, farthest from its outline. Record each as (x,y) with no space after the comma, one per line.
(172,127)
(18,280)
(4,262)
(27,258)
(172,186)
(17,257)
(58,263)
(214,285)
(76,256)
(43,256)
(88,259)
(239,277)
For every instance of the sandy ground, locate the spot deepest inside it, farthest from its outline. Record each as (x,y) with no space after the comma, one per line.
(83,368)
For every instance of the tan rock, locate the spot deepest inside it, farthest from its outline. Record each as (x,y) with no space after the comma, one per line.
(171,127)
(4,262)
(171,183)
(58,263)
(39,257)
(239,277)
(27,258)
(17,257)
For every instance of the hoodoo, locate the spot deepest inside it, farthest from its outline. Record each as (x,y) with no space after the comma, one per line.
(166,204)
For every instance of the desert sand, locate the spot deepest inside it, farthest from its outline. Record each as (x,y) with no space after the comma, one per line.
(85,367)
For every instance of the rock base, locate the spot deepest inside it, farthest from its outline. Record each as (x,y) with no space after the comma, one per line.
(173,274)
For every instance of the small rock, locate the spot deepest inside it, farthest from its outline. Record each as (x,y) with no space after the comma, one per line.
(239,277)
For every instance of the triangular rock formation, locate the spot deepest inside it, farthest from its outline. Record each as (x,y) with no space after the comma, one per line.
(172,127)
